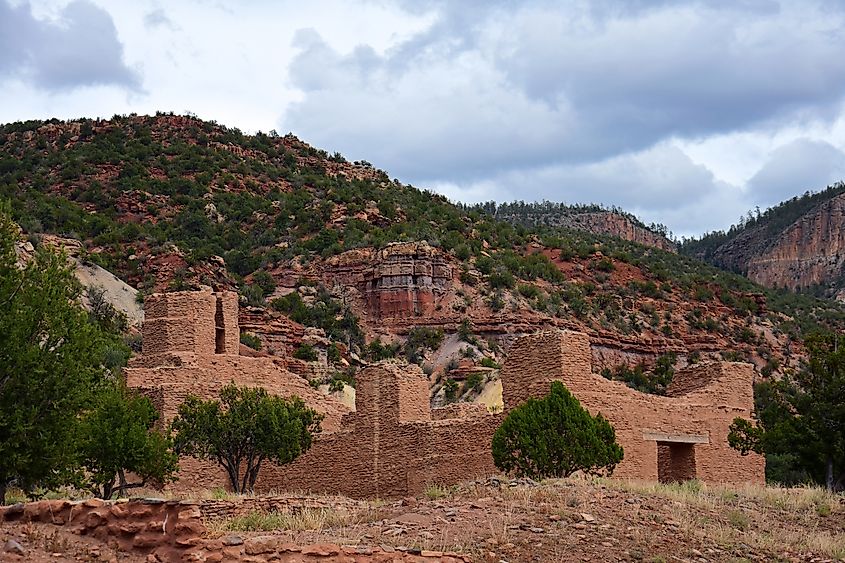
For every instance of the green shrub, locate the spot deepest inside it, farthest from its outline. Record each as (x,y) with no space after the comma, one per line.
(501,278)
(265,281)
(603,265)
(254,295)
(305,352)
(451,387)
(465,332)
(377,350)
(529,291)
(250,340)
(554,437)
(489,363)
(327,313)
(422,338)
(333,352)
(474,381)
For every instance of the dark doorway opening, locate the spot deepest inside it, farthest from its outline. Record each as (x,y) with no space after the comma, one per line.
(675,462)
(220,329)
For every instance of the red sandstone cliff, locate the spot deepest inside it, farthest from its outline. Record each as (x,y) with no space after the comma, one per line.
(598,222)
(809,251)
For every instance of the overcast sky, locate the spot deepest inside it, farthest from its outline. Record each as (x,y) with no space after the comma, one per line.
(687,113)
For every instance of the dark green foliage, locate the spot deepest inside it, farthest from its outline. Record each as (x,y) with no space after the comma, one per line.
(333,353)
(376,350)
(341,378)
(104,313)
(265,281)
(251,341)
(465,333)
(603,265)
(422,338)
(254,295)
(474,381)
(118,437)
(489,363)
(327,313)
(243,429)
(450,390)
(654,382)
(52,363)
(305,352)
(800,419)
(554,437)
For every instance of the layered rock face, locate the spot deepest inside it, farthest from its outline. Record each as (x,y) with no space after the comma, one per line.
(619,226)
(400,281)
(810,251)
(405,280)
(599,222)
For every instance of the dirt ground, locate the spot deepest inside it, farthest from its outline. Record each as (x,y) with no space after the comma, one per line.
(564,520)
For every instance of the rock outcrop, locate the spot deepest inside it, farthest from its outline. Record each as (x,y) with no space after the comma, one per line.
(809,252)
(400,281)
(599,222)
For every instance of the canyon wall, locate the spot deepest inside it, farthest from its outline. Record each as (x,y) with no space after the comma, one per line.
(810,251)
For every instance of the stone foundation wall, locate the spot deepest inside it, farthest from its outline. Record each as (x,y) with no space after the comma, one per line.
(170,531)
(166,528)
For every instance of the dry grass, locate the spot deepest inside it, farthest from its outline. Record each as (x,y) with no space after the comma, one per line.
(768,518)
(435,491)
(305,519)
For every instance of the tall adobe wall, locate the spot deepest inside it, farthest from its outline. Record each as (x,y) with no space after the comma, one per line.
(687,430)
(190,347)
(393,445)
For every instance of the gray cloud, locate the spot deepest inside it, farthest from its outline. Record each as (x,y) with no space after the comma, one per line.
(80,49)
(801,165)
(532,84)
(661,185)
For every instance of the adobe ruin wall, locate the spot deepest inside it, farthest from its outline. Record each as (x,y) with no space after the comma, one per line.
(394,444)
(695,416)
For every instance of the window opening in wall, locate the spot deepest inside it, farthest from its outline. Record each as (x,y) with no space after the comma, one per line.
(220,329)
(675,462)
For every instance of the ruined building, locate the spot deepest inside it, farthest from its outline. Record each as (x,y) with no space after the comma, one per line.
(394,444)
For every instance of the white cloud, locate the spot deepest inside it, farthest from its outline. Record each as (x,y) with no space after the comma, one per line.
(793,168)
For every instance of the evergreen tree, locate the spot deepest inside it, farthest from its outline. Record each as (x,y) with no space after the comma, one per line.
(52,362)
(243,429)
(118,437)
(801,418)
(555,437)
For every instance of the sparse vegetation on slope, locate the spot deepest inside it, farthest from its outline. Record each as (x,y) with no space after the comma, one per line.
(170,202)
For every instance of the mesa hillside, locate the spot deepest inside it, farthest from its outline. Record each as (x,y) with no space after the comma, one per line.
(334,261)
(271,326)
(796,244)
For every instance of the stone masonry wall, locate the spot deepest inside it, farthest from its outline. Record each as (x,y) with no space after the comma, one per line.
(717,393)
(386,451)
(394,444)
(172,531)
